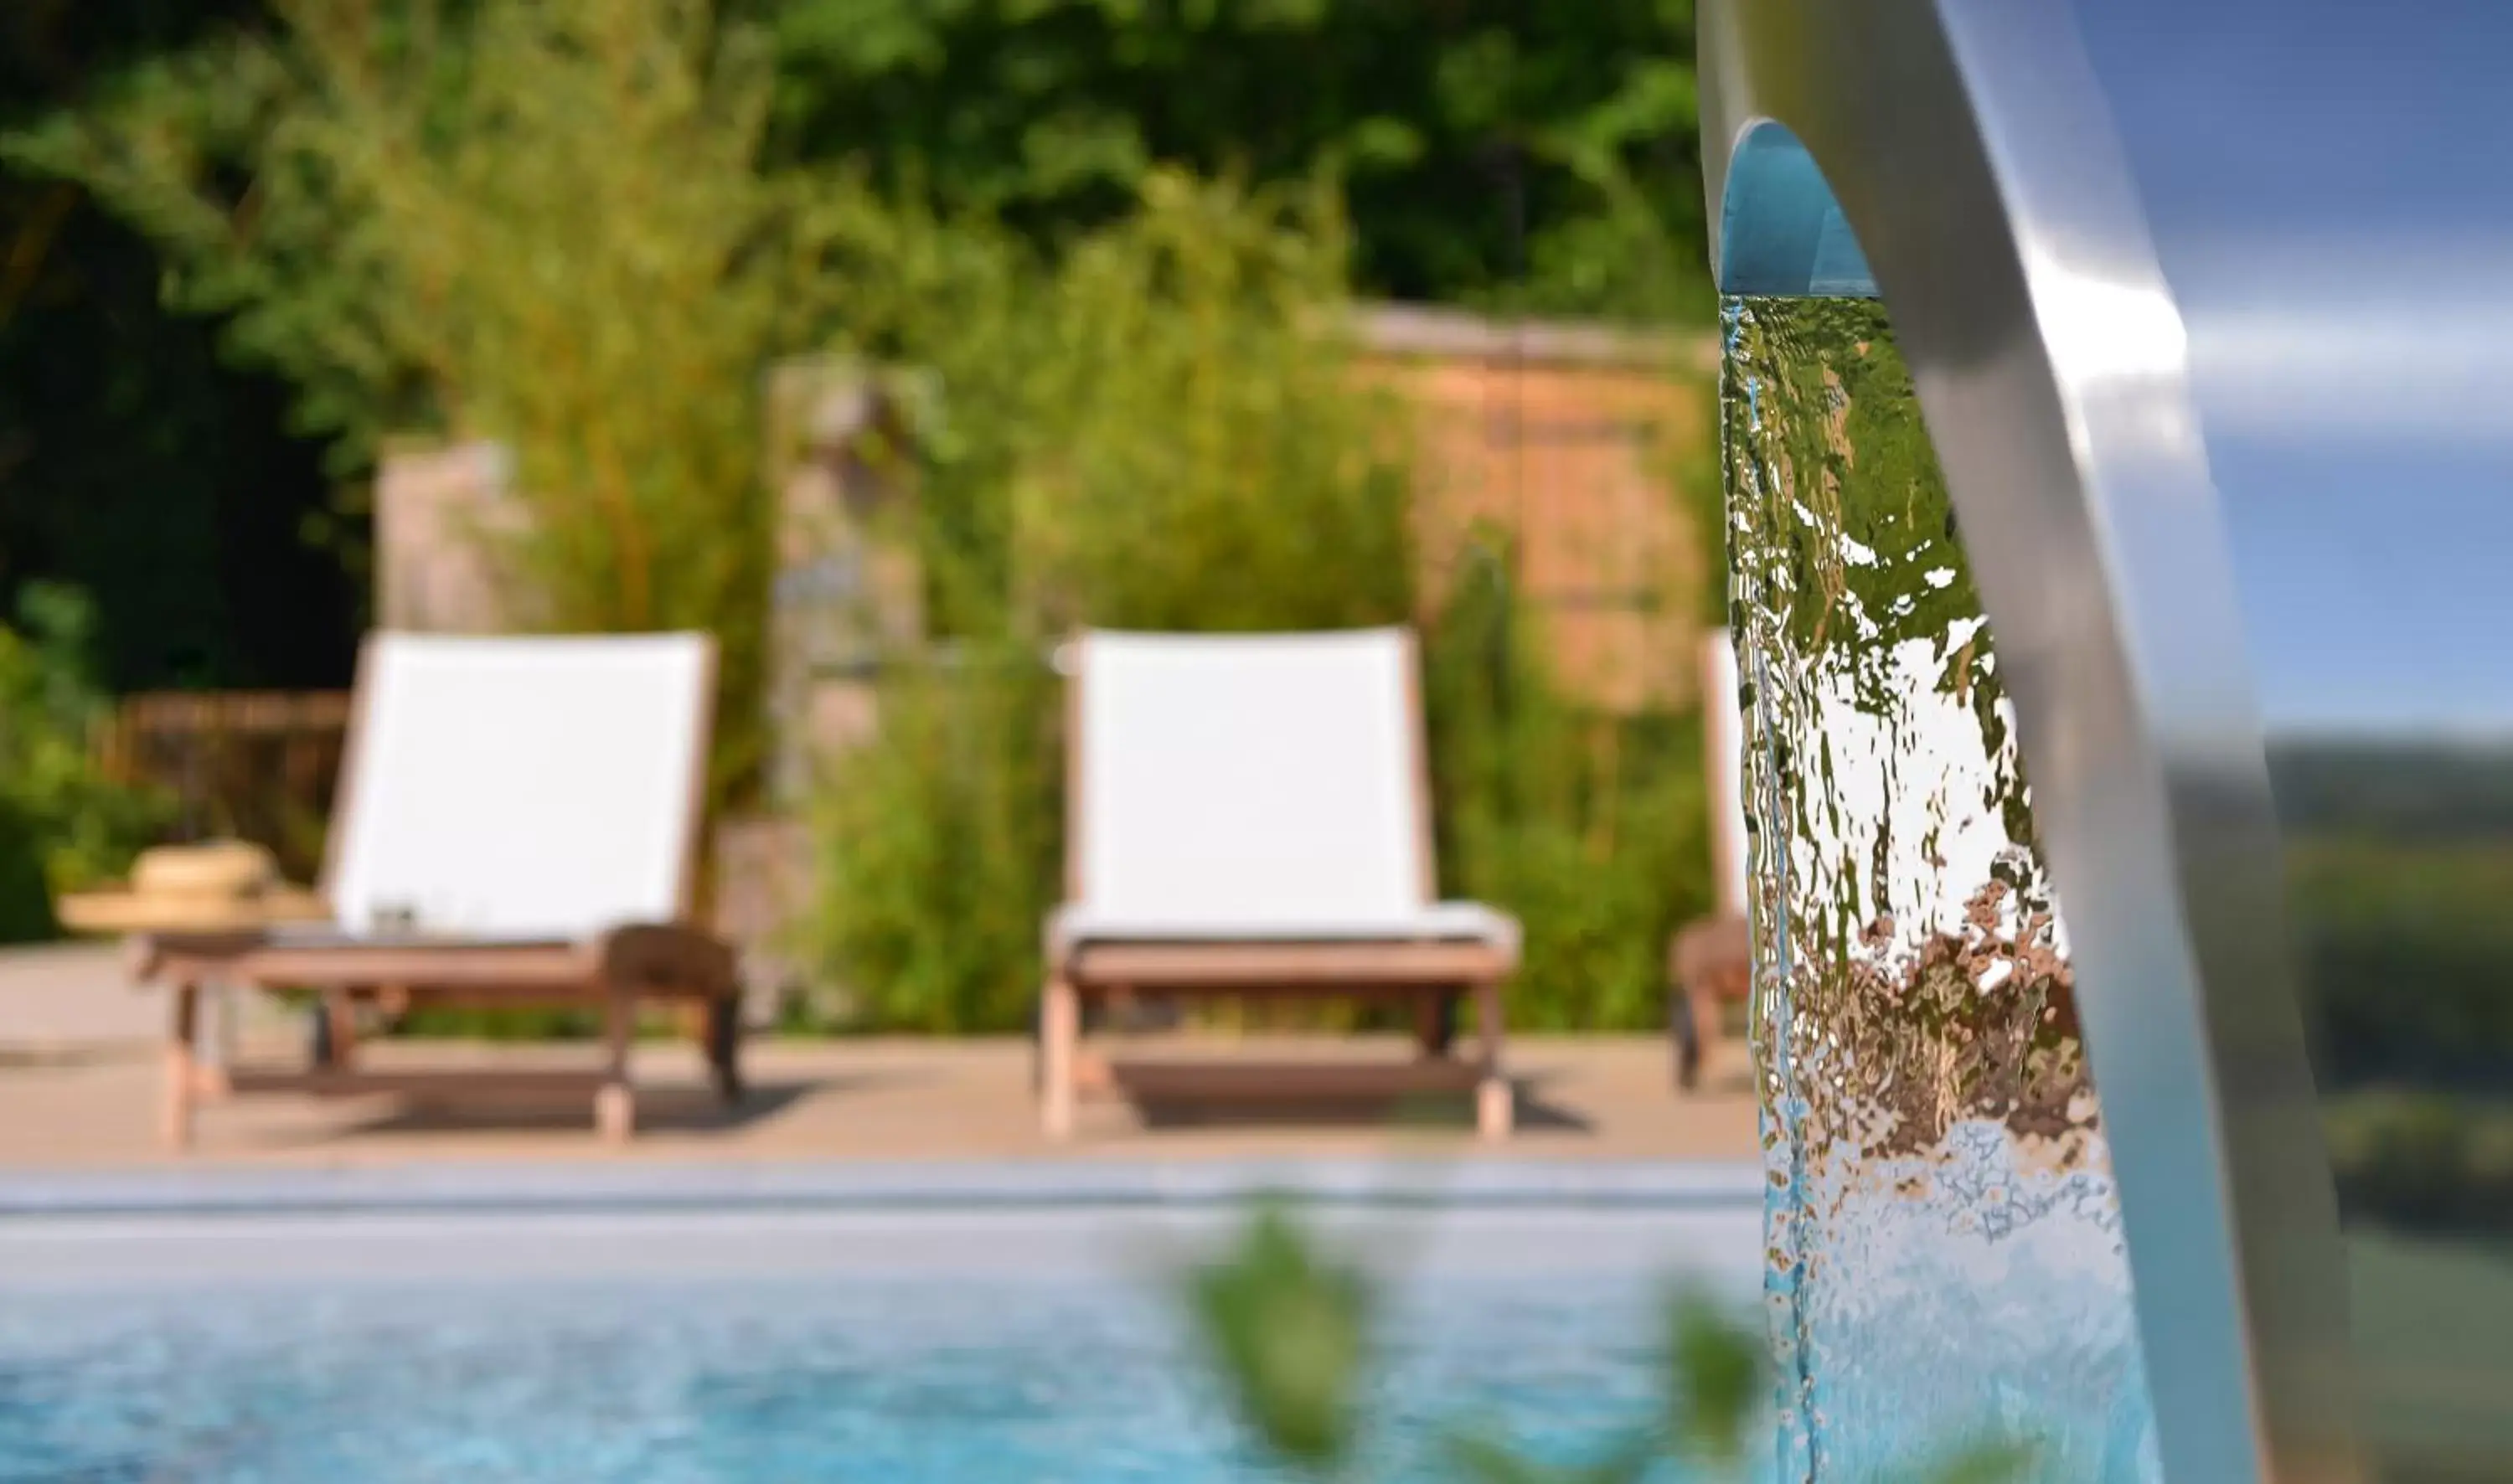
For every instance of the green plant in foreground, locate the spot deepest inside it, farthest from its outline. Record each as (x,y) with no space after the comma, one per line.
(1285,1329)
(1288,1327)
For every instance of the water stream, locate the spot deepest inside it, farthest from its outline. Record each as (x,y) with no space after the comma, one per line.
(1945,1264)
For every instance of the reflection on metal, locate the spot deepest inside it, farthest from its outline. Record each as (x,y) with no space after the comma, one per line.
(2399,854)
(1945,1254)
(2207,307)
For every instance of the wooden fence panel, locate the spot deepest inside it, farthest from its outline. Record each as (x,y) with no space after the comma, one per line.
(257,765)
(1575,445)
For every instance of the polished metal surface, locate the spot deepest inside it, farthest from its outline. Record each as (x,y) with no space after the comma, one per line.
(2346,281)
(2210,306)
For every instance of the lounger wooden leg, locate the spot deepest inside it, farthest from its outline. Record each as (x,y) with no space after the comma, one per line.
(341,1021)
(615,1104)
(1059,1038)
(182,1071)
(723,1032)
(1684,1037)
(1704,1003)
(211,1082)
(217,1010)
(1495,1112)
(1435,1022)
(1426,1025)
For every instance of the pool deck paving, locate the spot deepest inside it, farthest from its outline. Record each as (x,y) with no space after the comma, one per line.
(80,1068)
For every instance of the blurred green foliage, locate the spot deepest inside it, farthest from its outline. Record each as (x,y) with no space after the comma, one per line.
(2407,954)
(2424,1159)
(1494,153)
(1286,1328)
(550,224)
(936,849)
(1500,155)
(1167,427)
(134,462)
(1158,426)
(1592,829)
(2397,869)
(63,825)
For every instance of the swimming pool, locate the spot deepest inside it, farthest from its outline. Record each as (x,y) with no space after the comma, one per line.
(956,1331)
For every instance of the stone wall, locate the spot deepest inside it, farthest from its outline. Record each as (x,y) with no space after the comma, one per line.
(849,587)
(440,515)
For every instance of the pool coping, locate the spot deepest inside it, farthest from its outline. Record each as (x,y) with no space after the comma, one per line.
(859,1185)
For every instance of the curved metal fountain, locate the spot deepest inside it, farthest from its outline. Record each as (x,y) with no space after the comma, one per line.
(2210,311)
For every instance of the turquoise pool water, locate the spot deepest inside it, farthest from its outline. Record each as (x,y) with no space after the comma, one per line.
(902,1380)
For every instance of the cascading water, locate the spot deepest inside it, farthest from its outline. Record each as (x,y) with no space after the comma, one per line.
(1947,1265)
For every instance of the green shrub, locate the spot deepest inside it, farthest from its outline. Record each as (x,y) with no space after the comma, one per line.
(65,825)
(1200,452)
(2403,950)
(2424,1158)
(936,850)
(1590,828)
(550,224)
(26,899)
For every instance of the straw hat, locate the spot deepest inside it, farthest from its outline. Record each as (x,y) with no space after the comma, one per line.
(228,886)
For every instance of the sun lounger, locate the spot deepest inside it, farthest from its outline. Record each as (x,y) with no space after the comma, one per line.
(516,826)
(1250,817)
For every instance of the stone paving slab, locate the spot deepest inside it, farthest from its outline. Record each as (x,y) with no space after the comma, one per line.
(74,999)
(1581,1099)
(67,996)
(79,1071)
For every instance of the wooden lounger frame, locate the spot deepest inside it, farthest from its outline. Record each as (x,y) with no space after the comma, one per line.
(615,973)
(1429,975)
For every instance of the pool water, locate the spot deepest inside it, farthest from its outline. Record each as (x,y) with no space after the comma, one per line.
(917,1380)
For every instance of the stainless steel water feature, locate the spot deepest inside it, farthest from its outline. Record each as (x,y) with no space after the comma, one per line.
(2209,308)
